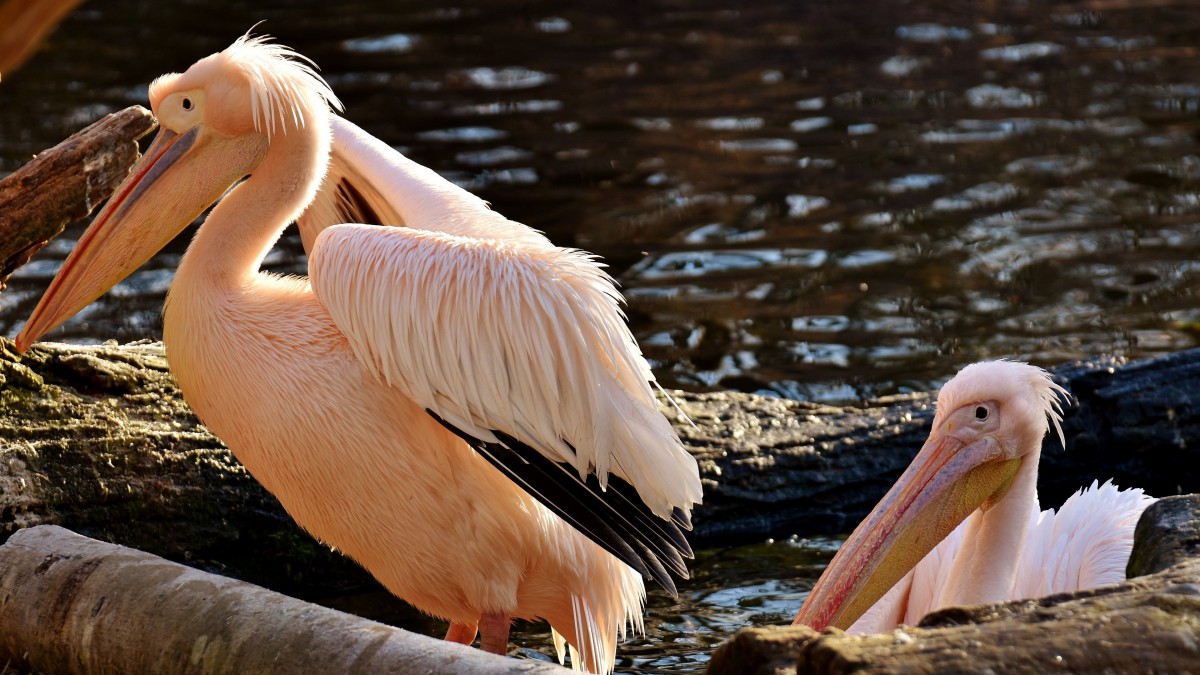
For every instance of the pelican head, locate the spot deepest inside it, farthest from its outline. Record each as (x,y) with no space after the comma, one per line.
(990,420)
(217,122)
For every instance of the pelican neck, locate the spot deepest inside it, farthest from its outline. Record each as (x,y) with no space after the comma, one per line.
(986,566)
(241,229)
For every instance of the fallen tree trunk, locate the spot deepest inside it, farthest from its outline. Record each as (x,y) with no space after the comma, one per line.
(1148,624)
(65,183)
(69,604)
(98,439)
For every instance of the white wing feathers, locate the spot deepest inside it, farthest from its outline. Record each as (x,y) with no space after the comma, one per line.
(1086,544)
(484,322)
(494,336)
(367,181)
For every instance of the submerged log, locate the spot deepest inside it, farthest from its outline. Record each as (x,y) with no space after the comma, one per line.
(776,467)
(99,440)
(65,183)
(1149,624)
(69,604)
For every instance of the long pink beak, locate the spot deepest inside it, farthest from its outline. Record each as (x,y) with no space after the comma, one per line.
(946,482)
(125,234)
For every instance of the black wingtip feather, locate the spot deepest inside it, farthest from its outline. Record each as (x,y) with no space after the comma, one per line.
(682,519)
(616,518)
(627,512)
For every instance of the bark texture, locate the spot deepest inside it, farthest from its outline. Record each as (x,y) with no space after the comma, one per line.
(1149,624)
(99,440)
(69,604)
(65,183)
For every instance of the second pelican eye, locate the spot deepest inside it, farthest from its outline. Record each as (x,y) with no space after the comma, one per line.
(981,413)
(187,104)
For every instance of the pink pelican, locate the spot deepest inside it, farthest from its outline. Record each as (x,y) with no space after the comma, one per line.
(453,401)
(962,525)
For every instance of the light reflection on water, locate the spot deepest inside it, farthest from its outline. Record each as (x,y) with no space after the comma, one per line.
(946,184)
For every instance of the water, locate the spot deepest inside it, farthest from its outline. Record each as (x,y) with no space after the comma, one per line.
(816,200)
(819,200)
(730,588)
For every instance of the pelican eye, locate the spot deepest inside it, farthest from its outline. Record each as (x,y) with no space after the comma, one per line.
(981,413)
(187,104)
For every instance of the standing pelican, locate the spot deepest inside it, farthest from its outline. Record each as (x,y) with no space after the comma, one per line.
(963,526)
(454,402)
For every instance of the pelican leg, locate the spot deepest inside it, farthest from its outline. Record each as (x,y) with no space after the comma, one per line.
(462,633)
(493,632)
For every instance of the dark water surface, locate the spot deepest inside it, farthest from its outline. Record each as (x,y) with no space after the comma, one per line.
(821,200)
(824,200)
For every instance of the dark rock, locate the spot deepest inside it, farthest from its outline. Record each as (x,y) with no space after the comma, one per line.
(1167,533)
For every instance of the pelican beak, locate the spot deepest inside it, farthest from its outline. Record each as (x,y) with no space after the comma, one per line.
(947,481)
(177,178)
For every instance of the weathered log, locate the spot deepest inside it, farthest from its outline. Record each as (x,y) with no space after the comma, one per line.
(69,604)
(1149,624)
(98,439)
(65,183)
(776,467)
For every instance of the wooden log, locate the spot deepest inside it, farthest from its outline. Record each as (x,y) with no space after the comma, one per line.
(774,467)
(65,183)
(98,439)
(69,604)
(1149,624)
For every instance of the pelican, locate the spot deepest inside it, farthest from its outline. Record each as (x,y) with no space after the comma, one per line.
(23,27)
(452,400)
(963,526)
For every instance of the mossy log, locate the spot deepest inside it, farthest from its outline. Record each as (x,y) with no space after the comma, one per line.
(65,183)
(1149,624)
(70,604)
(99,440)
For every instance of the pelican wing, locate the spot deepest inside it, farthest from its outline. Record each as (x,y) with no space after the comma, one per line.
(516,345)
(1086,544)
(369,182)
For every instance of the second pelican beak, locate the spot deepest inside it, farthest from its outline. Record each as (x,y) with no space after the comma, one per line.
(945,483)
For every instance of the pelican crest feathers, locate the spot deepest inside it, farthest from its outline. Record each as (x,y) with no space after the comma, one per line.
(995,380)
(283,83)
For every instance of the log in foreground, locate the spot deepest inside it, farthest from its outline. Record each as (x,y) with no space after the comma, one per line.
(65,183)
(69,604)
(1148,624)
(99,440)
